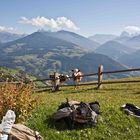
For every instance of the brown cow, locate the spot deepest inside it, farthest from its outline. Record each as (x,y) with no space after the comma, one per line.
(57,79)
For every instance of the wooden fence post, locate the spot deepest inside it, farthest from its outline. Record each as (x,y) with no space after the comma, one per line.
(100,76)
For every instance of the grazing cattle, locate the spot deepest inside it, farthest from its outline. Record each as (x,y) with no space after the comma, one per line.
(77,76)
(57,79)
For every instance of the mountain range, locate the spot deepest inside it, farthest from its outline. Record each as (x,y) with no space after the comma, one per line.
(102,38)
(42,53)
(114,49)
(124,48)
(131,60)
(72,37)
(7,36)
(133,42)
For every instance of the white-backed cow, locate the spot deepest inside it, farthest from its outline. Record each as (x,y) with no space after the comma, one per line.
(77,76)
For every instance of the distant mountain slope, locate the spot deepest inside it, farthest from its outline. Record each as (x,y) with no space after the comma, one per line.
(122,39)
(131,60)
(41,54)
(36,43)
(133,42)
(6,36)
(94,59)
(102,38)
(135,38)
(113,49)
(74,38)
(7,74)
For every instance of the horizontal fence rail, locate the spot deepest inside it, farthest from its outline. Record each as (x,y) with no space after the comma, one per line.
(125,81)
(89,84)
(93,74)
(118,71)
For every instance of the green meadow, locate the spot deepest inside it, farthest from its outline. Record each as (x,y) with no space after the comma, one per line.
(113,124)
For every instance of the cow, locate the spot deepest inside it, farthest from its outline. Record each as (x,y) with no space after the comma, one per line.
(77,76)
(57,79)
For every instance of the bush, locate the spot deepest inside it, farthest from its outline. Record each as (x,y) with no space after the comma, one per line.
(18,98)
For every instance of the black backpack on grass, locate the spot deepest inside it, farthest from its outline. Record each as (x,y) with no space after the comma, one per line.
(77,114)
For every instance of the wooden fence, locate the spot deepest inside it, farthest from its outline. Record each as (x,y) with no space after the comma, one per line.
(100,80)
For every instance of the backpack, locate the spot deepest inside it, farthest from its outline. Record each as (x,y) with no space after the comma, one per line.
(77,114)
(21,132)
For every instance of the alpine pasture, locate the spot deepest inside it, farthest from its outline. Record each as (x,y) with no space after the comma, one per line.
(113,124)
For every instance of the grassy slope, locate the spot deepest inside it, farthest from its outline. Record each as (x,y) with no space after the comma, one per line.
(8,72)
(112,123)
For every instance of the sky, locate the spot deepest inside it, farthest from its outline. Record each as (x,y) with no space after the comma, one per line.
(85,17)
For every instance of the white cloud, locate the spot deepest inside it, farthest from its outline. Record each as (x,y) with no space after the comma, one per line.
(6,29)
(132,29)
(59,23)
(64,22)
